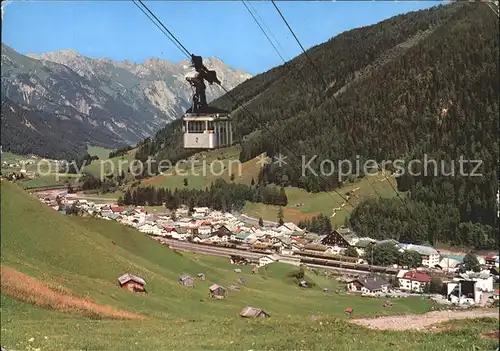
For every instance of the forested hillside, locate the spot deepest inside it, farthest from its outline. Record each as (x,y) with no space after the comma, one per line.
(425,83)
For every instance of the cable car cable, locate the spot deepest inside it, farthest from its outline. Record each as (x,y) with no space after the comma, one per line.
(326,86)
(184,50)
(298,41)
(172,36)
(265,25)
(263,31)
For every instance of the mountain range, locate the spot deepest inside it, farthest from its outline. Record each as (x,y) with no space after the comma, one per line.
(56,103)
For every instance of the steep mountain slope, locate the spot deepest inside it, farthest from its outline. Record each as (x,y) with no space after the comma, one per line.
(124,101)
(424,83)
(26,130)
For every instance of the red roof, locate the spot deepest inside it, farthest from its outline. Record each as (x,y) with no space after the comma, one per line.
(417,276)
(117,208)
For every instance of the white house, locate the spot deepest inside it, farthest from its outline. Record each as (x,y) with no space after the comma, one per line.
(150,228)
(200,211)
(430,256)
(205,229)
(414,281)
(369,285)
(448,264)
(484,280)
(267,259)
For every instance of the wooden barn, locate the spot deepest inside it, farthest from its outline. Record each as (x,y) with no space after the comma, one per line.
(201,276)
(252,312)
(132,283)
(186,280)
(217,292)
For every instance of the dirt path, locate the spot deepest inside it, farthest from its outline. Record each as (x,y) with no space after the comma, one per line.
(422,321)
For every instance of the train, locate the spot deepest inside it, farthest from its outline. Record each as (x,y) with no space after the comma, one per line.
(348,265)
(328,255)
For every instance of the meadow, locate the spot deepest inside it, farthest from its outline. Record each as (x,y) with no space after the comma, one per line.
(301,204)
(72,264)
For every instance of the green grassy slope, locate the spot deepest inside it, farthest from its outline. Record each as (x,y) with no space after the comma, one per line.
(87,255)
(98,151)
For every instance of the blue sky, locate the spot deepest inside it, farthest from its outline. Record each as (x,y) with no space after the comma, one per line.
(120,31)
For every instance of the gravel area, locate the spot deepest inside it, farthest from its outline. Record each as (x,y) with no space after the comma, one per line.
(422,321)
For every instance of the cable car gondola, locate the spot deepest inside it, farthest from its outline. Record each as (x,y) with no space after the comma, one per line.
(205,127)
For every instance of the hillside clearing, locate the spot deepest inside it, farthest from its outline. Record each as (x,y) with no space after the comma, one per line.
(304,205)
(98,151)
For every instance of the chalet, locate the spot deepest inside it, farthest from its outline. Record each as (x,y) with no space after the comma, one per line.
(491,259)
(132,283)
(430,256)
(251,312)
(246,237)
(267,260)
(223,230)
(179,233)
(117,209)
(106,213)
(260,245)
(343,237)
(369,285)
(186,280)
(222,236)
(287,246)
(150,228)
(201,237)
(200,212)
(414,281)
(448,264)
(205,229)
(237,270)
(217,292)
(362,244)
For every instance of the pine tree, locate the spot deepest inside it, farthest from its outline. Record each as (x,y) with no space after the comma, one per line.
(280,216)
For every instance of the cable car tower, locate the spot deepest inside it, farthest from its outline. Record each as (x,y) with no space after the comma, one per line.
(205,127)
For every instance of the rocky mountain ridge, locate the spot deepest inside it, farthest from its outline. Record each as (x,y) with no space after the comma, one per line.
(124,101)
